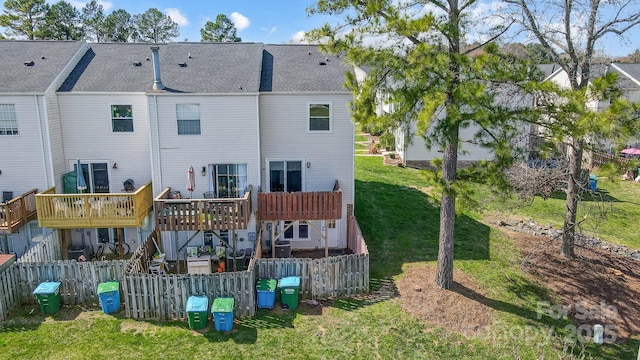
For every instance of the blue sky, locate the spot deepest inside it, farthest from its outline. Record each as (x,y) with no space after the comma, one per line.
(281,21)
(267,21)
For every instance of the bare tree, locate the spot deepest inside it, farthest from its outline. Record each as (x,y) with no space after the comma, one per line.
(569,31)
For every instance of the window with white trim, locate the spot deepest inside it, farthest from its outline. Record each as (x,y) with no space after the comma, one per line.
(188,116)
(8,120)
(121,118)
(319,115)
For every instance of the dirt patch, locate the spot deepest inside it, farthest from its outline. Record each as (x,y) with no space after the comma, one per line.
(597,287)
(458,309)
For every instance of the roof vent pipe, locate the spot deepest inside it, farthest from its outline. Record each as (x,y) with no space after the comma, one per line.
(157,83)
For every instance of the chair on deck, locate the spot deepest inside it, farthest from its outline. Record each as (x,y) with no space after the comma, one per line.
(158,265)
(209,195)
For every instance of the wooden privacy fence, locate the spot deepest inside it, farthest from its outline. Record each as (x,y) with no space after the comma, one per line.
(164,297)
(48,249)
(335,276)
(78,281)
(9,295)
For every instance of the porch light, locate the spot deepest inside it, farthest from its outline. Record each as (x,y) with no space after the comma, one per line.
(204,171)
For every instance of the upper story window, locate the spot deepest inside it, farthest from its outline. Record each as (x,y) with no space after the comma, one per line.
(188,116)
(319,115)
(8,120)
(121,118)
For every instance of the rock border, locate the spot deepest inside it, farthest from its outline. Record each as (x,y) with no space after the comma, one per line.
(528,226)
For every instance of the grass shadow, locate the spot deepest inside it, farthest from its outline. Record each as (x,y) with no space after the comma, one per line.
(401,224)
(380,290)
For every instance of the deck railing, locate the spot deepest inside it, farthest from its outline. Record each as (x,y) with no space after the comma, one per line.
(17,212)
(70,211)
(324,205)
(202,214)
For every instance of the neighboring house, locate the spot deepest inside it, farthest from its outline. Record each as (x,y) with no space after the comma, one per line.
(250,118)
(30,133)
(415,151)
(628,83)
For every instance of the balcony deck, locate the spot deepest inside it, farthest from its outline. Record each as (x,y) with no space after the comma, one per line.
(202,214)
(17,212)
(279,206)
(71,211)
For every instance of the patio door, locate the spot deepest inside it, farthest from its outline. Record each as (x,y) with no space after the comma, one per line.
(96,176)
(332,230)
(286,176)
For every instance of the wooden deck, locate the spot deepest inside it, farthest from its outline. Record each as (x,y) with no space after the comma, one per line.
(17,212)
(201,214)
(279,206)
(71,211)
(6,260)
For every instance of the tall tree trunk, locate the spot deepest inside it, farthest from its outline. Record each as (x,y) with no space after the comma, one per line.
(574,153)
(444,272)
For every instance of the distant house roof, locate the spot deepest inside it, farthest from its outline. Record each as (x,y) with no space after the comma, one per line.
(184,67)
(628,75)
(32,66)
(292,68)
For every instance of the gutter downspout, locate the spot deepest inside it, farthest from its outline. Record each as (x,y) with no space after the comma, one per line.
(42,147)
(155,105)
(48,138)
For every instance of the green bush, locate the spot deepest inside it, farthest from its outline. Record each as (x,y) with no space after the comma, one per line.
(387,140)
(375,129)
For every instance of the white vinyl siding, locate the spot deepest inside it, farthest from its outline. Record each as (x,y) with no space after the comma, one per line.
(319,116)
(229,136)
(188,116)
(88,136)
(8,120)
(122,118)
(325,159)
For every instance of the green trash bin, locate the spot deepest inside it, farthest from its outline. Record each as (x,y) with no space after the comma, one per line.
(197,307)
(48,295)
(289,289)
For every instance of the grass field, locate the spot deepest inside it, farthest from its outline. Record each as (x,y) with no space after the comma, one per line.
(611,214)
(400,223)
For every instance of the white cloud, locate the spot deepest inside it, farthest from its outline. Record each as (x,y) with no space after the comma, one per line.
(240,21)
(106,5)
(297,38)
(177,16)
(269,31)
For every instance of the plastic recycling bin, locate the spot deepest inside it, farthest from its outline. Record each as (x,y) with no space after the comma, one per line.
(109,294)
(289,289)
(197,307)
(222,310)
(593,182)
(48,295)
(266,290)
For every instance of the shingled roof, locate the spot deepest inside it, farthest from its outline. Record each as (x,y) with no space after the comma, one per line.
(293,68)
(32,66)
(184,67)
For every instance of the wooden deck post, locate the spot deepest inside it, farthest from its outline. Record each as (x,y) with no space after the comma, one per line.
(273,239)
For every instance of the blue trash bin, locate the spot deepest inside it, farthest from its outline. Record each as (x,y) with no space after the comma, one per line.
(593,182)
(266,291)
(109,294)
(222,310)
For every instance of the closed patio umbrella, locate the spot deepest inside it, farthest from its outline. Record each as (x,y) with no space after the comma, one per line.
(191,180)
(631,151)
(80,183)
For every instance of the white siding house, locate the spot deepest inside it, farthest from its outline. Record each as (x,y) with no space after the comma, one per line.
(235,112)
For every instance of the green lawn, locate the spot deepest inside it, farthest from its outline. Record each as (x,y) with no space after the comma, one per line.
(611,214)
(400,224)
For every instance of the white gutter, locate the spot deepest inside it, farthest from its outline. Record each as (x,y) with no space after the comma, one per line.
(48,137)
(259,142)
(155,105)
(42,148)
